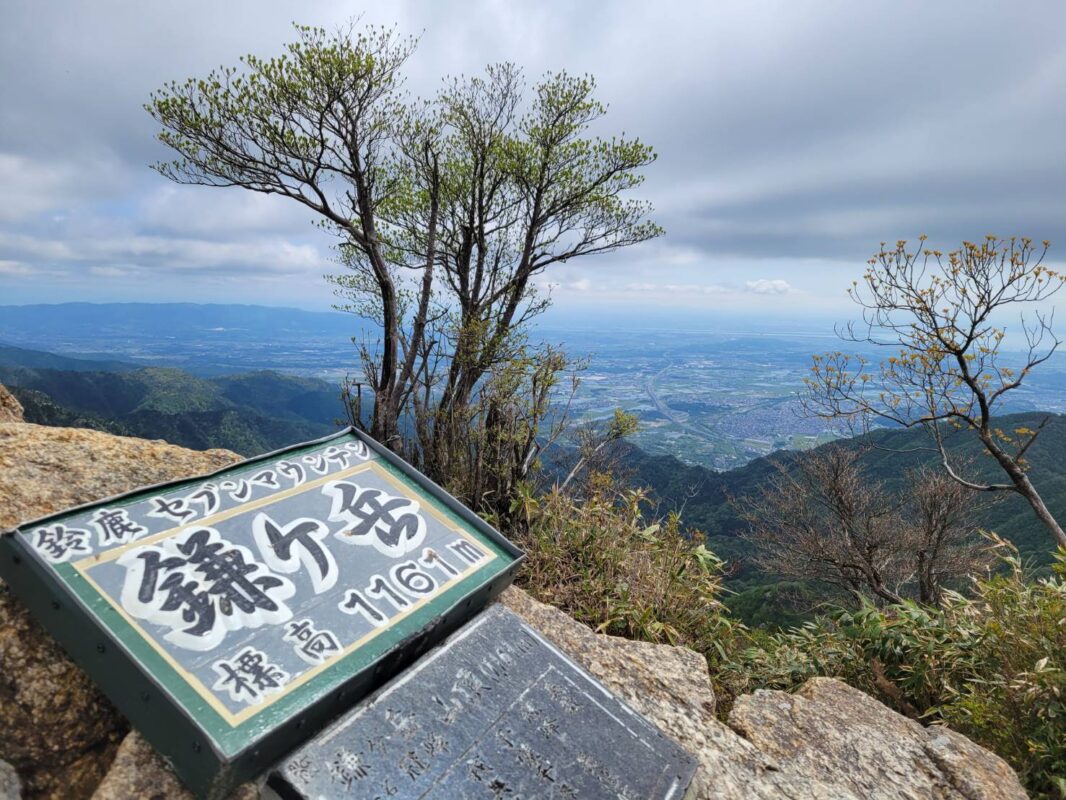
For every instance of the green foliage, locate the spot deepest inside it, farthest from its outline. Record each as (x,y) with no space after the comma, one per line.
(782,604)
(446,208)
(249,414)
(991,666)
(708,492)
(599,559)
(622,424)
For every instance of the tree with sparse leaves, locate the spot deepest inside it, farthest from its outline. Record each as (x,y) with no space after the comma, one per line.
(446,210)
(593,438)
(941,314)
(822,518)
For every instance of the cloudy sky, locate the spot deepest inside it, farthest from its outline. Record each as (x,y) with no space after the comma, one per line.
(792,138)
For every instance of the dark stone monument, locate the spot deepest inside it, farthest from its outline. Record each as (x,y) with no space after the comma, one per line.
(495,712)
(232,616)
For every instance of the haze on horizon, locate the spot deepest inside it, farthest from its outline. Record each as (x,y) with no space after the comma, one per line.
(792,138)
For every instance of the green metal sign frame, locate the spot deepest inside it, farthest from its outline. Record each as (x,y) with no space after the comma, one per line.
(212,745)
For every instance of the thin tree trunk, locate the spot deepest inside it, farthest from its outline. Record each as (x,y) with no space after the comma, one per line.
(1025,488)
(1028,491)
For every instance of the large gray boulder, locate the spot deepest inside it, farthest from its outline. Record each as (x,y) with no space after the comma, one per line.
(825,741)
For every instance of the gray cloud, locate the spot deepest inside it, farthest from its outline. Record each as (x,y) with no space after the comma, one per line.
(793,136)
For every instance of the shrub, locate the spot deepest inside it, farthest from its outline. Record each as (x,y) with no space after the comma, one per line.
(992,666)
(599,559)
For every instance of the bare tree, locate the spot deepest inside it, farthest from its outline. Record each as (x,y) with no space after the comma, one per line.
(823,521)
(822,518)
(941,517)
(942,316)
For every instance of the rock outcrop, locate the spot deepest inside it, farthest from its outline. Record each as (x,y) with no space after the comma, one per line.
(59,732)
(830,732)
(10,408)
(825,741)
(138,771)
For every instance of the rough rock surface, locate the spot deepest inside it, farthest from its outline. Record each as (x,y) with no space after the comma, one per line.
(10,786)
(139,772)
(826,741)
(835,733)
(10,408)
(44,470)
(58,730)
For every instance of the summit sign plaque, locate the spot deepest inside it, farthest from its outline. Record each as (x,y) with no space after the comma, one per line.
(495,712)
(230,616)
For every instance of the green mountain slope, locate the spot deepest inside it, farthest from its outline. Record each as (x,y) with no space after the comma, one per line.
(283,396)
(21,357)
(111,394)
(249,414)
(704,494)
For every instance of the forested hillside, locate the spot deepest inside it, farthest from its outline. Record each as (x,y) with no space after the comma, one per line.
(255,412)
(249,414)
(702,497)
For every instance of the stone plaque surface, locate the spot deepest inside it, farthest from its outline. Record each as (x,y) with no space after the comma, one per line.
(245,599)
(495,712)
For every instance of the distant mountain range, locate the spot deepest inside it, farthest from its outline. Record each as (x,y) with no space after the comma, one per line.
(248,413)
(205,340)
(255,412)
(40,323)
(702,496)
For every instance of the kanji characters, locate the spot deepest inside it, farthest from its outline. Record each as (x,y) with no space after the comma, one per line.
(114,526)
(435,744)
(392,525)
(202,586)
(59,543)
(405,723)
(347,767)
(413,764)
(248,677)
(470,685)
(284,549)
(312,645)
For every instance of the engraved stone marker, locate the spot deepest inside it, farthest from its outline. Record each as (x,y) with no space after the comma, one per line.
(495,712)
(232,616)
